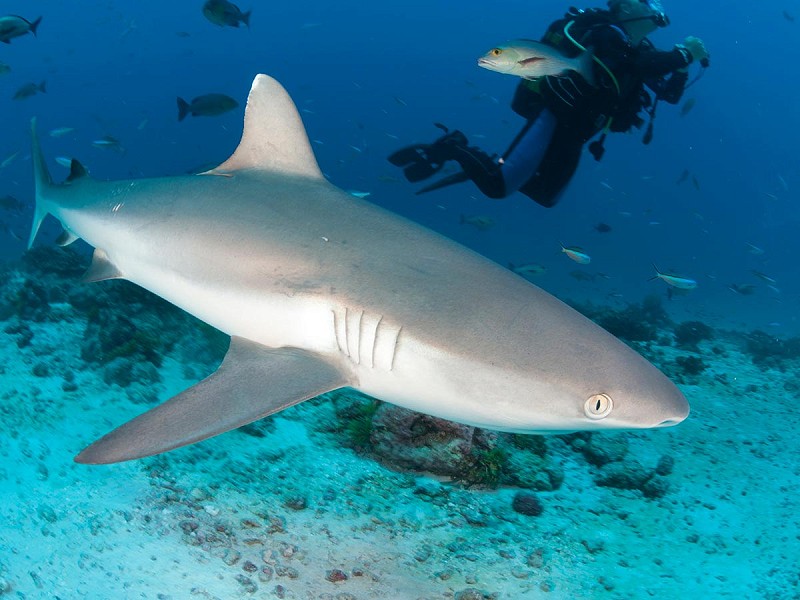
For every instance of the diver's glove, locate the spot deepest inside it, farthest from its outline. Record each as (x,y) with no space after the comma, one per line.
(696,49)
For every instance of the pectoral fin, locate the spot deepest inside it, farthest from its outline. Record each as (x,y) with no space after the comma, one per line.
(252,382)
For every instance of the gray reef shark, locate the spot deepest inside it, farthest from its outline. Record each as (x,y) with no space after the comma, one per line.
(321,290)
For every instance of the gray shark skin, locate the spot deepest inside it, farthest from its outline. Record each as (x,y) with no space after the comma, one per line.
(320,290)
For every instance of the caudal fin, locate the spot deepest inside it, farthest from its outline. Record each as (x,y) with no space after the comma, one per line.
(42,180)
(34,26)
(658,273)
(246,18)
(183,109)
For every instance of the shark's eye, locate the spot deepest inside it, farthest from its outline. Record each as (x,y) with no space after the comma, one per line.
(598,406)
(495,52)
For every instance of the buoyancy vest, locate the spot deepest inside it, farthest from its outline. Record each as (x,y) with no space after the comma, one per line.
(622,96)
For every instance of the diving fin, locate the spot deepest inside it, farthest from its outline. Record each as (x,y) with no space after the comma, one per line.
(416,162)
(412,154)
(252,382)
(405,156)
(421,170)
(444,182)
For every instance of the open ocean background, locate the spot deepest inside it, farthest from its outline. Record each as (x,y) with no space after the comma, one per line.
(312,503)
(371,77)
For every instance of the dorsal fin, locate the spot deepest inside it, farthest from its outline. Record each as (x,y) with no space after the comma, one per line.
(76,171)
(274,138)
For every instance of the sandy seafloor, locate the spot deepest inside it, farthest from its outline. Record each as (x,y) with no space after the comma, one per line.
(222,519)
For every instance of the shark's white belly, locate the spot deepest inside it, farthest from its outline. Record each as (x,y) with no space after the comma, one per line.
(271,319)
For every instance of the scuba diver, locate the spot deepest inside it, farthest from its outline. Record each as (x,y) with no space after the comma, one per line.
(565,109)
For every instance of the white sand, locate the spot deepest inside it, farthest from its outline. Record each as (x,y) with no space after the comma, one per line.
(728,528)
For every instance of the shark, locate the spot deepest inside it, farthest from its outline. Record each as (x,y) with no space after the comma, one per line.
(320,290)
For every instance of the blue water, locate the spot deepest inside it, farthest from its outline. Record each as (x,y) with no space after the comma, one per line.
(369,77)
(365,72)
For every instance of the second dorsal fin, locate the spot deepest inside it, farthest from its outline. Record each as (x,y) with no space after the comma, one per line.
(76,171)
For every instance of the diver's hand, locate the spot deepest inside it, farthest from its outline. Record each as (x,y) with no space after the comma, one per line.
(696,47)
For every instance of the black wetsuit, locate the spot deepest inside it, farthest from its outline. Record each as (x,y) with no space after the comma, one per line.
(581,110)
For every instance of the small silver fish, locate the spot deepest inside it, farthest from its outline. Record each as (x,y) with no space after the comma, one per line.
(8,160)
(61,131)
(109,143)
(763,276)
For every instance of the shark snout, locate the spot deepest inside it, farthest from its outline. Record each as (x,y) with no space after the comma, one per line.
(647,401)
(669,411)
(680,412)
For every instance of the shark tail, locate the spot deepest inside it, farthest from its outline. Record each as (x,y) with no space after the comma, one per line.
(43,183)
